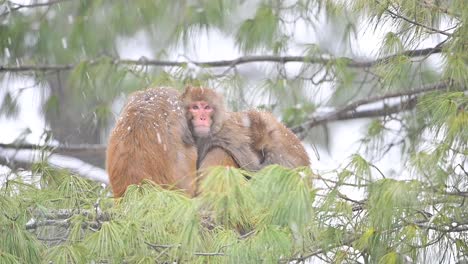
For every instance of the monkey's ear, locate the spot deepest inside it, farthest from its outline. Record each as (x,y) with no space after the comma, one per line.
(188,90)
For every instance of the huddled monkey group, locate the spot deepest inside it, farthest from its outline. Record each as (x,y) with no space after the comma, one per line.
(167,137)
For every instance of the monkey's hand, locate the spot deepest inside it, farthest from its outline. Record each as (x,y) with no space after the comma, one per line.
(244,156)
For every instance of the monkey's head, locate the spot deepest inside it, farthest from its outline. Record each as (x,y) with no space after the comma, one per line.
(204,109)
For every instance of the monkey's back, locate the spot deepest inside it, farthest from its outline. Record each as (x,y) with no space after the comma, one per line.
(148,143)
(281,144)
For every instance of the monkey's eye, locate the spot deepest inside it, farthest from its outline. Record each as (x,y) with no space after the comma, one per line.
(195,107)
(207,107)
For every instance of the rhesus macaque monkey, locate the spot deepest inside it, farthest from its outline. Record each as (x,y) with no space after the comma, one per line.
(212,126)
(253,139)
(151,140)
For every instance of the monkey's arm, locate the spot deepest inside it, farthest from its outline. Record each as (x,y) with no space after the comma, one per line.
(239,149)
(245,157)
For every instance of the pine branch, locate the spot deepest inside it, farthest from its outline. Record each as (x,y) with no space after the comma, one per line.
(24,158)
(209,254)
(58,223)
(351,111)
(459,227)
(345,242)
(458,193)
(56,214)
(339,115)
(14,164)
(61,218)
(394,14)
(424,89)
(437,7)
(37,67)
(13,7)
(227,63)
(94,153)
(203,254)
(56,149)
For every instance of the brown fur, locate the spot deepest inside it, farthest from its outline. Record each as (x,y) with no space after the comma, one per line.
(253,139)
(151,140)
(227,131)
(276,143)
(215,157)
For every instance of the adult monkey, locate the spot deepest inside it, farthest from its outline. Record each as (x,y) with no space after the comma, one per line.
(151,140)
(253,139)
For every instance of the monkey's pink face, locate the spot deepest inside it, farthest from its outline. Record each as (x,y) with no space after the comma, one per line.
(201,118)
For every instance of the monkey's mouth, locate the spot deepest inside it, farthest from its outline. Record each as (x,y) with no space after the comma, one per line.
(202,130)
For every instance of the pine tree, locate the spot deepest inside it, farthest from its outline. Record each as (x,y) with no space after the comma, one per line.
(412,94)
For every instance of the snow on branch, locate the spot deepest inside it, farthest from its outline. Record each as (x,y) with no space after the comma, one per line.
(24,158)
(372,107)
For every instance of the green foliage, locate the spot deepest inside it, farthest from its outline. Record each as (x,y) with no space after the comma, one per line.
(277,215)
(8,258)
(107,243)
(296,115)
(391,258)
(75,254)
(232,217)
(268,245)
(259,32)
(225,191)
(286,194)
(361,168)
(355,213)
(9,106)
(397,72)
(389,200)
(375,128)
(18,242)
(51,105)
(446,115)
